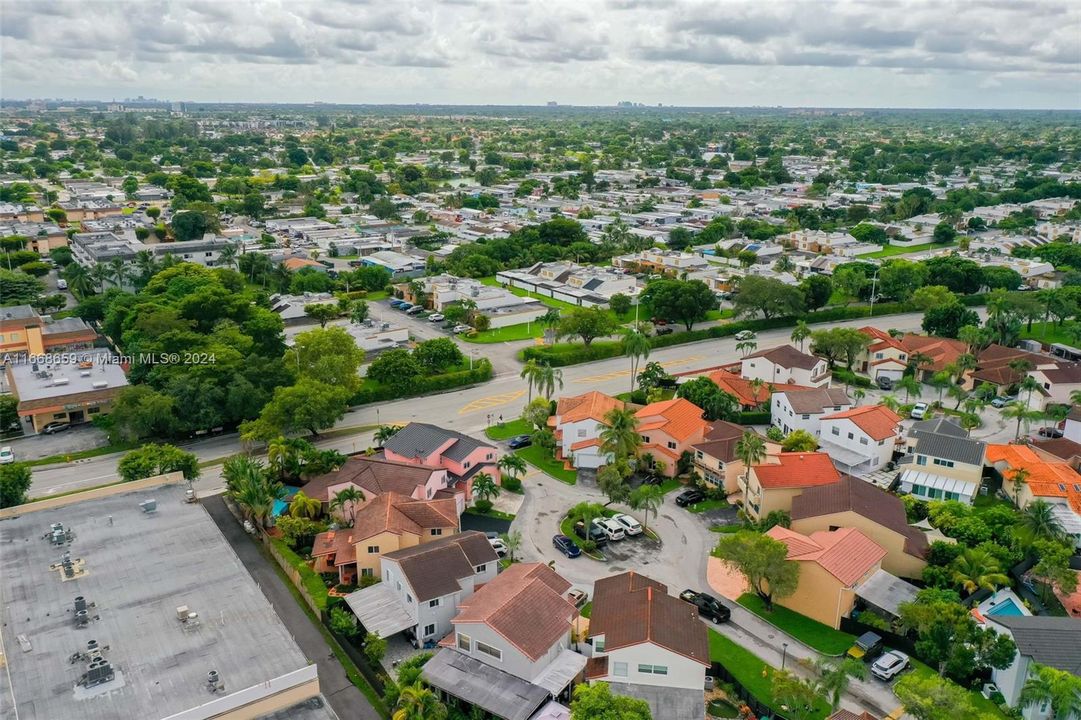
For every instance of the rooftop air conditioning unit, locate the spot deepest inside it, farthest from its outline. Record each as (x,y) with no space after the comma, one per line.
(100,383)
(61,381)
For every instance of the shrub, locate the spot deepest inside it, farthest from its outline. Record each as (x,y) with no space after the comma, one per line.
(512,484)
(847,376)
(343,622)
(754,417)
(483,506)
(375,648)
(373,392)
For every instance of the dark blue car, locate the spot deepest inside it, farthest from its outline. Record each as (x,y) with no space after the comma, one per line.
(566,546)
(519,441)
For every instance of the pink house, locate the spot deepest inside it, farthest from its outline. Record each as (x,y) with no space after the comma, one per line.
(669,429)
(461,456)
(377,475)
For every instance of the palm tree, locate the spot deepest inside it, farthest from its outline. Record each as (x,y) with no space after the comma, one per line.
(1058,688)
(800,333)
(547,379)
(347,499)
(891,402)
(78,279)
(529,373)
(233,469)
(750,449)
(227,256)
(484,486)
(512,465)
(1017,410)
(620,436)
(146,264)
(278,455)
(1029,385)
(958,393)
(550,318)
(1075,397)
(386,432)
(255,493)
(910,385)
(1037,521)
(648,499)
(917,360)
(98,275)
(834,677)
(963,364)
(119,271)
(635,346)
(303,506)
(756,386)
(418,702)
(977,569)
(746,346)
(859,394)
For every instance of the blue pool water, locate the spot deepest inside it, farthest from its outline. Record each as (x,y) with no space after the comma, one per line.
(1006,607)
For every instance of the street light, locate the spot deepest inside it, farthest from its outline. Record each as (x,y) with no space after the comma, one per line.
(874,280)
(784,654)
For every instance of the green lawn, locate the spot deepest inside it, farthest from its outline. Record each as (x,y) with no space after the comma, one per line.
(508,430)
(510,333)
(550,302)
(83,454)
(491,513)
(541,459)
(892,250)
(670,484)
(751,672)
(375,295)
(1052,333)
(982,704)
(587,609)
(983,503)
(821,637)
(707,505)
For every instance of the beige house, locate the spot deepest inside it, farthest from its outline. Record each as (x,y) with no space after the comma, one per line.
(853,503)
(773,484)
(942,463)
(832,567)
(715,458)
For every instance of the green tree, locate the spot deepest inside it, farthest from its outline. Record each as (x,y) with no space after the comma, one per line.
(1059,689)
(596,702)
(977,569)
(799,441)
(714,402)
(302,506)
(9,414)
(796,695)
(620,437)
(153,459)
(682,301)
(15,481)
(947,320)
(636,347)
(767,297)
(418,702)
(343,622)
(944,233)
(358,312)
(512,465)
(548,379)
(762,561)
(800,333)
(817,290)
(1053,567)
(327,355)
(18,288)
(751,450)
(898,279)
(588,324)
(484,487)
(1020,412)
(395,368)
(834,676)
(611,482)
(620,304)
(345,501)
(309,405)
(386,432)
(322,312)
(930,697)
(375,648)
(648,499)
(536,413)
(1037,520)
(438,355)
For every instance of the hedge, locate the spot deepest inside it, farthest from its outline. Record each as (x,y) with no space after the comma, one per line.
(847,376)
(374,392)
(573,353)
(754,417)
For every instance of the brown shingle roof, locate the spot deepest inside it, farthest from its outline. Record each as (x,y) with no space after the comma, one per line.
(629,609)
(721,440)
(396,513)
(787,356)
(373,475)
(435,569)
(863,499)
(817,400)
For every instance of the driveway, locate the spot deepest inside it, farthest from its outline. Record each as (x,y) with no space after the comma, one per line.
(343,696)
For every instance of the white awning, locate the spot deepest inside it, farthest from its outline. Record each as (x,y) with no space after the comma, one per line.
(937,482)
(380,610)
(561,671)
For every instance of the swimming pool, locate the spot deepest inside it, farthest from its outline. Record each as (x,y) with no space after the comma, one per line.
(1006,607)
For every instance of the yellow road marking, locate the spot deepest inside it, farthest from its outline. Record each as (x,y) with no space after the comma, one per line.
(490,401)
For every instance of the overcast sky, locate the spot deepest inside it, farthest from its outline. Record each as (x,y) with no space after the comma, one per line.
(871,53)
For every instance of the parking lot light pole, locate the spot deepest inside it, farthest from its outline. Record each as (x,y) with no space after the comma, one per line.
(784,654)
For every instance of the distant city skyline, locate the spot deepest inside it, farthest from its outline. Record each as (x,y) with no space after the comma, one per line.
(892,54)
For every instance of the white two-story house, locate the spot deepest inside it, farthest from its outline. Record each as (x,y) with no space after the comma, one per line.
(1053,642)
(424,585)
(804,409)
(786,364)
(648,644)
(510,651)
(860,440)
(578,423)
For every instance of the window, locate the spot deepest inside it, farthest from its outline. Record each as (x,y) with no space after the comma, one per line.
(582,432)
(863,441)
(399,584)
(466,465)
(698,454)
(433,603)
(806,417)
(835,430)
(481,568)
(619,669)
(429,630)
(948,463)
(59,416)
(851,436)
(489,456)
(93,411)
(437,531)
(489,650)
(653,669)
(671,445)
(881,443)
(921,459)
(878,356)
(598,644)
(367,572)
(465,643)
(409,598)
(373,549)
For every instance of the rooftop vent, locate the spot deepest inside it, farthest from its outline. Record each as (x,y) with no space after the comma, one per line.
(214,683)
(100,383)
(61,381)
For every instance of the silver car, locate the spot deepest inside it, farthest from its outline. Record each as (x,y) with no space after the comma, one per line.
(889,664)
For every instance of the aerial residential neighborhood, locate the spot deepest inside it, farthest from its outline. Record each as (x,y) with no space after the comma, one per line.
(540,361)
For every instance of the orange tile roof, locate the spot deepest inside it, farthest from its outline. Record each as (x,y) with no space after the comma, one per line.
(847,554)
(942,351)
(742,389)
(796,469)
(679,418)
(588,442)
(1045,478)
(592,405)
(878,421)
(293,264)
(396,514)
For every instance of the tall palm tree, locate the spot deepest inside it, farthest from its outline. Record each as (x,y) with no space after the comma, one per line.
(859,394)
(958,393)
(529,374)
(800,333)
(547,379)
(750,449)
(347,500)
(891,402)
(119,271)
(648,499)
(834,677)
(635,346)
(977,569)
(756,385)
(620,436)
(78,279)
(1030,385)
(255,493)
(302,506)
(227,256)
(1020,412)
(99,274)
(746,346)
(1037,521)
(918,360)
(386,432)
(278,452)
(910,385)
(512,465)
(146,265)
(418,702)
(233,469)
(484,486)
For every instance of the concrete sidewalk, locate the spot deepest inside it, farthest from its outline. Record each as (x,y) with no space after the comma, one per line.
(348,702)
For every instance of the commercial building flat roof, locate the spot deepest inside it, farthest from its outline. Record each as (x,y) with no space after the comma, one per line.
(59,379)
(137,569)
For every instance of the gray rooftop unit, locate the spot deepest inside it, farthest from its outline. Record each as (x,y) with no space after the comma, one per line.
(149,506)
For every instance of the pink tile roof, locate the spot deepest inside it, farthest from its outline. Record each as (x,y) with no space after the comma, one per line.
(847,554)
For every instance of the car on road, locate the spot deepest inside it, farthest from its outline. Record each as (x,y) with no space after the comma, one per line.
(745,335)
(708,606)
(7,456)
(919,411)
(884,382)
(1050,432)
(630,525)
(499,546)
(436,317)
(1002,401)
(690,497)
(61,284)
(55,427)
(597,535)
(578,597)
(889,665)
(462,328)
(415,310)
(566,546)
(519,441)
(611,528)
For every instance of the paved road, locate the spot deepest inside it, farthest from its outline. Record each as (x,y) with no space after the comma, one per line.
(465,410)
(348,702)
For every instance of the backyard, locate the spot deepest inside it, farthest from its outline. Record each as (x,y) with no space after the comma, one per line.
(1050,332)
(893,250)
(507,430)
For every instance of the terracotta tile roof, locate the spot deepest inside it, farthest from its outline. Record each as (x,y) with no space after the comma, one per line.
(847,554)
(374,475)
(795,469)
(843,714)
(395,513)
(742,389)
(878,421)
(817,400)
(588,442)
(878,334)
(293,264)
(787,356)
(993,364)
(526,604)
(942,351)
(339,543)
(630,609)
(592,405)
(679,418)
(436,568)
(862,498)
(1045,479)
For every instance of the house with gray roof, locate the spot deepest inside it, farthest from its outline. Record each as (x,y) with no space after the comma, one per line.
(1053,642)
(942,462)
(462,456)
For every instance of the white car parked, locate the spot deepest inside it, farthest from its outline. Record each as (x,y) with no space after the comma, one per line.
(889,664)
(499,546)
(611,528)
(919,411)
(7,455)
(629,524)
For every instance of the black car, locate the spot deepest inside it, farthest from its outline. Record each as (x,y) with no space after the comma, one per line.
(519,441)
(55,427)
(708,606)
(690,497)
(665,330)
(596,533)
(884,382)
(1050,432)
(566,546)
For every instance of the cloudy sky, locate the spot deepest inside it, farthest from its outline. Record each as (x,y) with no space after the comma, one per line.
(866,53)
